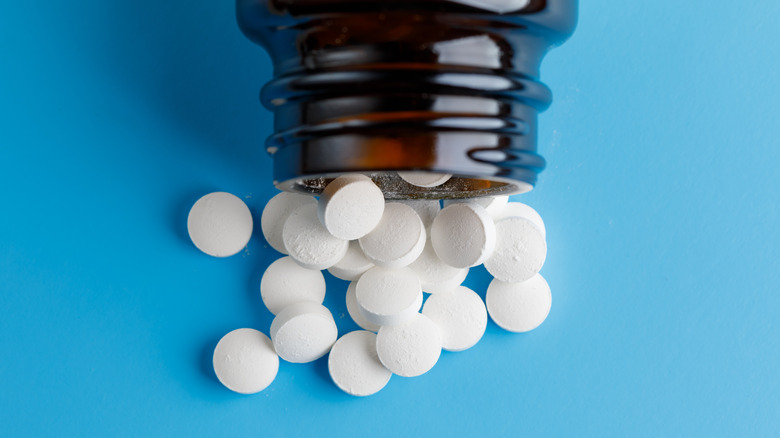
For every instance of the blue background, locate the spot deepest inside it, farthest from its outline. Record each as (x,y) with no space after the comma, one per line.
(662,201)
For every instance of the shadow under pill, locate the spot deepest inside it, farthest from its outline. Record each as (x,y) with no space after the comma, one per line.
(336,302)
(478,280)
(264,316)
(321,368)
(206,362)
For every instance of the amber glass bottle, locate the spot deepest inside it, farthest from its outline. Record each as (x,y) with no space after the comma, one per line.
(378,86)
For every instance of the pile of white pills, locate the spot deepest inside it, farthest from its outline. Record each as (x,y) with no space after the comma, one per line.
(394,254)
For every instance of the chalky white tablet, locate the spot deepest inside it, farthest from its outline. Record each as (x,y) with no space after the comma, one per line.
(303,332)
(220,224)
(519,307)
(518,209)
(425,179)
(245,361)
(427,209)
(354,366)
(351,206)
(460,315)
(309,243)
(409,349)
(275,214)
(388,296)
(520,250)
(353,308)
(353,264)
(398,239)
(494,205)
(286,282)
(435,275)
(463,235)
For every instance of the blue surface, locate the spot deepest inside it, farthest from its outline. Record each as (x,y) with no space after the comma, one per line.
(662,201)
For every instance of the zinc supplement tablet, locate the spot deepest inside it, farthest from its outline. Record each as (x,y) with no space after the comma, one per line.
(425,179)
(427,209)
(409,349)
(353,264)
(354,366)
(494,205)
(351,206)
(435,275)
(388,296)
(309,243)
(463,235)
(245,361)
(275,214)
(220,224)
(303,332)
(354,310)
(398,239)
(286,282)
(460,315)
(518,209)
(519,307)
(520,250)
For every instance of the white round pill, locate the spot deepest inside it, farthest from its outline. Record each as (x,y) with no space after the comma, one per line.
(354,365)
(286,282)
(353,264)
(435,275)
(427,209)
(245,361)
(494,205)
(463,235)
(520,250)
(309,243)
(353,308)
(460,315)
(220,224)
(518,209)
(275,214)
(351,206)
(388,297)
(519,307)
(398,239)
(409,349)
(425,179)
(303,332)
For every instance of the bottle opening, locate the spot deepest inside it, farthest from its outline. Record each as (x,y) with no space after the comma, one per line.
(396,187)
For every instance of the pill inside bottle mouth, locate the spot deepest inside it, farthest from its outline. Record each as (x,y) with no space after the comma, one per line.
(394,187)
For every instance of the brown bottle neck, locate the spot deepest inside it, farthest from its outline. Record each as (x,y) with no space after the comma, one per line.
(386,86)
